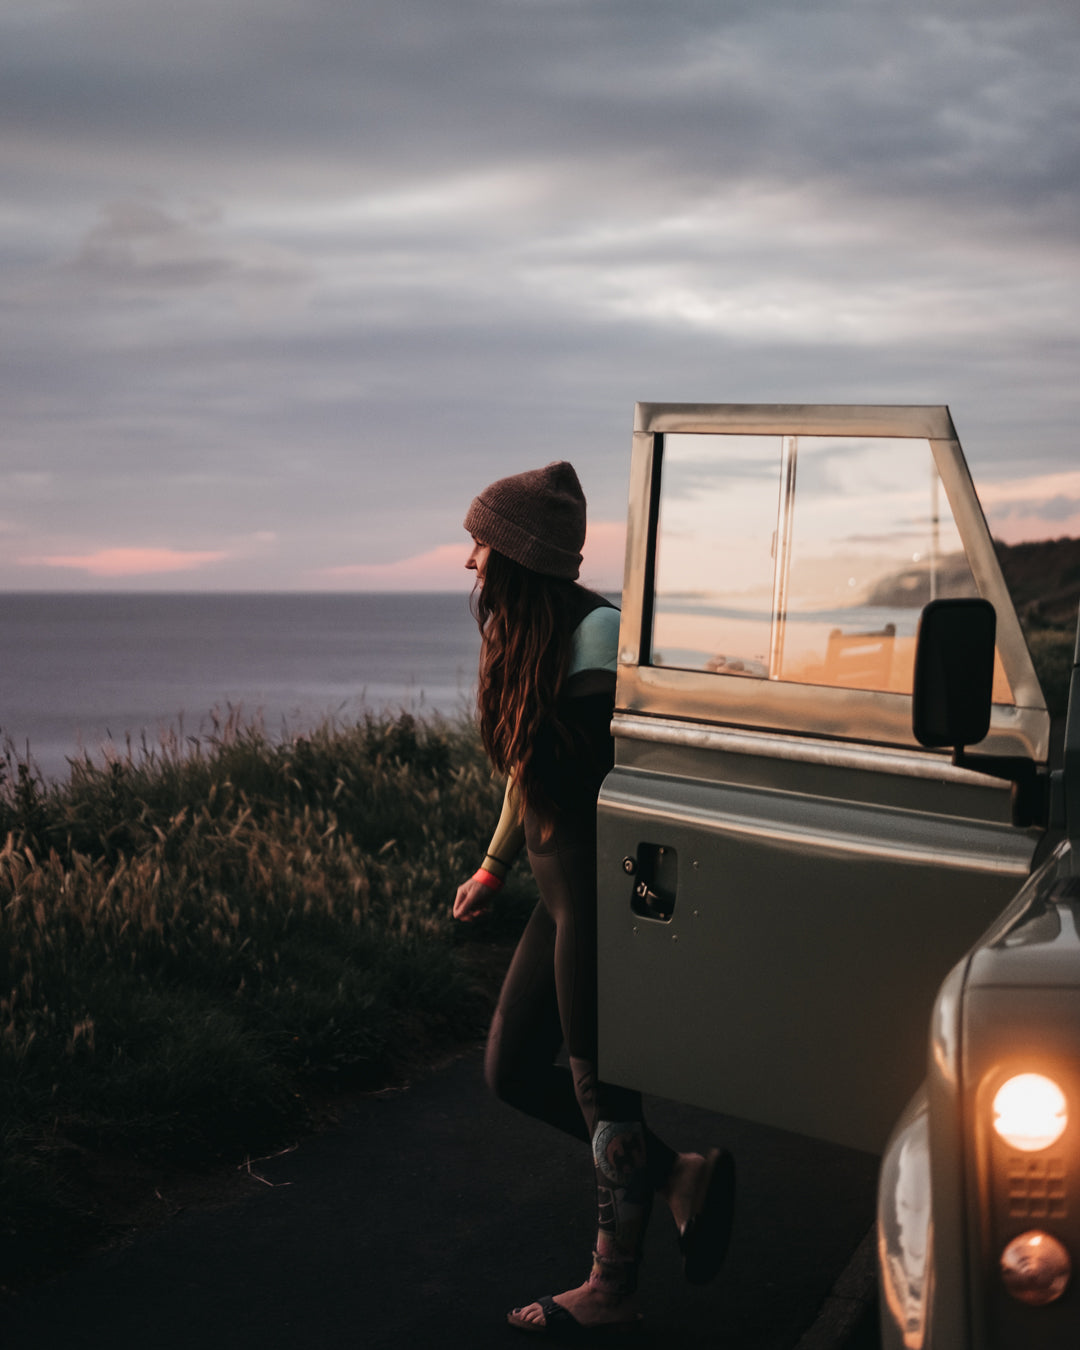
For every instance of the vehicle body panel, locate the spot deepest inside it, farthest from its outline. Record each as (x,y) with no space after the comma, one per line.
(792,945)
(817,872)
(950,1193)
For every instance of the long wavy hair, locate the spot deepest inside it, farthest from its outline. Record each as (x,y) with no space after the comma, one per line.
(523,662)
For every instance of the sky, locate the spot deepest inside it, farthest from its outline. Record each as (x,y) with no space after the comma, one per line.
(284,283)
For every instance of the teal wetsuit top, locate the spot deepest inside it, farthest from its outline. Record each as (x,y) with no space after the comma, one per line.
(572,774)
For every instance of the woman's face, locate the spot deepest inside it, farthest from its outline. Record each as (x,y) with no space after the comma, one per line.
(477,559)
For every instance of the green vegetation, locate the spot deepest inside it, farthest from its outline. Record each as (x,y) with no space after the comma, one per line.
(1043,578)
(193,938)
(1052,655)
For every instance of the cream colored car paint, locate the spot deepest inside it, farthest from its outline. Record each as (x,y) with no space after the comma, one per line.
(808,895)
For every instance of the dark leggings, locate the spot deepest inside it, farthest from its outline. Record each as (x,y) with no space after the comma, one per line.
(549,998)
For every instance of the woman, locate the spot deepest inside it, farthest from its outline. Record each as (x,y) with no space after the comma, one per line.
(545,700)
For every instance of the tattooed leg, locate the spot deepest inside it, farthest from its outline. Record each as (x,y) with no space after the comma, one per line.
(624,1199)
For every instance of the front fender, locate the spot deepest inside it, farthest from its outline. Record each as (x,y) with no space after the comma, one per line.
(920,1214)
(905,1230)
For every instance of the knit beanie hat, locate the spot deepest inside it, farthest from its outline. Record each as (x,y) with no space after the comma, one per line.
(536,518)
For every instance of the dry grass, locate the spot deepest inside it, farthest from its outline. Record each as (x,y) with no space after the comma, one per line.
(193,937)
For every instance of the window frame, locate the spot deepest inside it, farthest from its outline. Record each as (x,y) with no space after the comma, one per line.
(855,715)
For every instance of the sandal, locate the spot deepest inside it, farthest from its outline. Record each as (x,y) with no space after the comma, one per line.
(706,1234)
(562,1327)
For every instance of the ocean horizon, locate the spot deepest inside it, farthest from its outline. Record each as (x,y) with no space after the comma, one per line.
(98,672)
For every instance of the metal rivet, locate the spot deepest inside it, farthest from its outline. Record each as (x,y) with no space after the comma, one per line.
(674,937)
(629,866)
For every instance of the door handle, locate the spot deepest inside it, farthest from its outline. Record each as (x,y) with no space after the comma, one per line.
(656,868)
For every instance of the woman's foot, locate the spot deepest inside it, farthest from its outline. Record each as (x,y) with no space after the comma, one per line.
(701,1194)
(685,1186)
(589,1307)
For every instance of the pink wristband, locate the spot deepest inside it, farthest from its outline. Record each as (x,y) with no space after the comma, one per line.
(488,879)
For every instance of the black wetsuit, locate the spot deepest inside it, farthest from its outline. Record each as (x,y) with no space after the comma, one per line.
(549,996)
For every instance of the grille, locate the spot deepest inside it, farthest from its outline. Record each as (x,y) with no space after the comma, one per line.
(1036,1188)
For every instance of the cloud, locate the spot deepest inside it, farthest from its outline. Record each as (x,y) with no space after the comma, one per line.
(326,270)
(604,555)
(128,562)
(443,568)
(439,569)
(1039,507)
(139,243)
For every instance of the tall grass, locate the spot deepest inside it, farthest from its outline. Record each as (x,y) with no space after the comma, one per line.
(193,935)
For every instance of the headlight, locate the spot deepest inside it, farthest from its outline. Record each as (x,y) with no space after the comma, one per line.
(1030,1112)
(1022,1164)
(1035,1268)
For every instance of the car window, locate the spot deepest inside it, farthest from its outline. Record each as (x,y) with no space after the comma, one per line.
(802,559)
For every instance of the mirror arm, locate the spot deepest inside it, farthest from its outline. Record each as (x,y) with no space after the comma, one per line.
(1031,789)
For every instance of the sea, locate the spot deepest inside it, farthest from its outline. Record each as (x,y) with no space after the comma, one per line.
(99,673)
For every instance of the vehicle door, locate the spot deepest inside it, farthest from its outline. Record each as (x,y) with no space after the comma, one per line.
(785,875)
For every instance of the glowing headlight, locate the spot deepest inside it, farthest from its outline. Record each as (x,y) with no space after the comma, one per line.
(1030,1112)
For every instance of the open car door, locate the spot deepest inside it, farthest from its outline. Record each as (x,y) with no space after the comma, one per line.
(785,874)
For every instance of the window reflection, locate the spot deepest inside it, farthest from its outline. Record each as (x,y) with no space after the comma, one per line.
(804,559)
(871,541)
(714,566)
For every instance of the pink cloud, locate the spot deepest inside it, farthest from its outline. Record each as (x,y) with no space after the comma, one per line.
(1043,507)
(128,562)
(443,568)
(439,569)
(604,555)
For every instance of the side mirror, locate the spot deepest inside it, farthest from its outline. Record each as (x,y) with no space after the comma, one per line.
(953,695)
(954,673)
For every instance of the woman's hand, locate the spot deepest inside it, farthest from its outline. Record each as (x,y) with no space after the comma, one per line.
(472,900)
